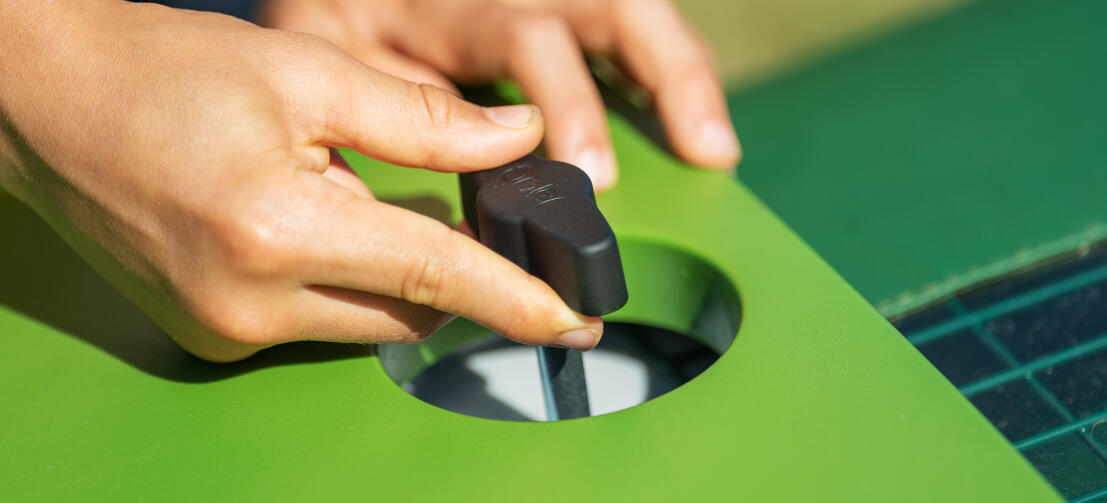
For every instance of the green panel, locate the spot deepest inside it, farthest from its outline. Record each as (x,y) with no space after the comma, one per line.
(943,155)
(817,399)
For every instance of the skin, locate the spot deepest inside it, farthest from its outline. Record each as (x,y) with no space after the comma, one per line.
(189,158)
(538,44)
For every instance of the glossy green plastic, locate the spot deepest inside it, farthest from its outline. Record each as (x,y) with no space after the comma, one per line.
(818,398)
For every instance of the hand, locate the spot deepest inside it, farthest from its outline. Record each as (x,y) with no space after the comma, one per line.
(186,156)
(538,44)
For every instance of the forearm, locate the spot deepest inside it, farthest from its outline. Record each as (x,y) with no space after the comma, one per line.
(42,48)
(16,16)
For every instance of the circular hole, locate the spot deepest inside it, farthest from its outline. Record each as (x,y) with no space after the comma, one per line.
(682,315)
(495,378)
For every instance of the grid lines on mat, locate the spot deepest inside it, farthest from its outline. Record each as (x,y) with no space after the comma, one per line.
(1030,352)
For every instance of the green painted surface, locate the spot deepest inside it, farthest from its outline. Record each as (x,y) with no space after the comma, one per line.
(817,399)
(943,155)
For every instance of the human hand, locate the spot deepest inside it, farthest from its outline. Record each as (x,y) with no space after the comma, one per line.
(186,156)
(538,44)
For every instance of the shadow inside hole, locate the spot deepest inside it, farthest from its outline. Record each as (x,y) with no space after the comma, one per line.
(495,378)
(682,315)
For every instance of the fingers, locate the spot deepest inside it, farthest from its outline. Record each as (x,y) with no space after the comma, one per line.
(351,105)
(338,171)
(379,249)
(347,26)
(425,126)
(533,45)
(325,313)
(390,62)
(543,56)
(667,59)
(321,313)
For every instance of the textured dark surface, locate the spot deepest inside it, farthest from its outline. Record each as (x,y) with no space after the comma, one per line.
(962,357)
(542,216)
(1017,410)
(1030,353)
(1071,464)
(1079,383)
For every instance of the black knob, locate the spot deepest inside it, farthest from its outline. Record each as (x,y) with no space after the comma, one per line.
(542,215)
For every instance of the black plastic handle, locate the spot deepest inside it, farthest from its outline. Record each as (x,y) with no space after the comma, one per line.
(542,215)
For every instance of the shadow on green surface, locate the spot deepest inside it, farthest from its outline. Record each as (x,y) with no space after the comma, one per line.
(428,206)
(44,279)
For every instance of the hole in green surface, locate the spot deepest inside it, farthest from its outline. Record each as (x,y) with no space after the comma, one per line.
(682,315)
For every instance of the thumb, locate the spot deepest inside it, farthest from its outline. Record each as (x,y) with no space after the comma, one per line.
(412,124)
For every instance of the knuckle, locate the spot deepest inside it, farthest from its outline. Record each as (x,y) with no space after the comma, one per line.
(428,278)
(423,281)
(240,322)
(250,247)
(436,104)
(304,54)
(310,42)
(434,108)
(297,47)
(252,242)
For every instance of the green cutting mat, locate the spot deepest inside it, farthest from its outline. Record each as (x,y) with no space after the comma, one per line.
(1030,352)
(942,155)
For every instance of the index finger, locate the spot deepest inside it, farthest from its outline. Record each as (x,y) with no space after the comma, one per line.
(366,245)
(543,56)
(667,58)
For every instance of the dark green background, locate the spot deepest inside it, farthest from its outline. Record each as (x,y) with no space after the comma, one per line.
(942,155)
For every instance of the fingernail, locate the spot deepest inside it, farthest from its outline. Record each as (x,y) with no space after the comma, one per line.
(599,165)
(512,116)
(719,140)
(581,339)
